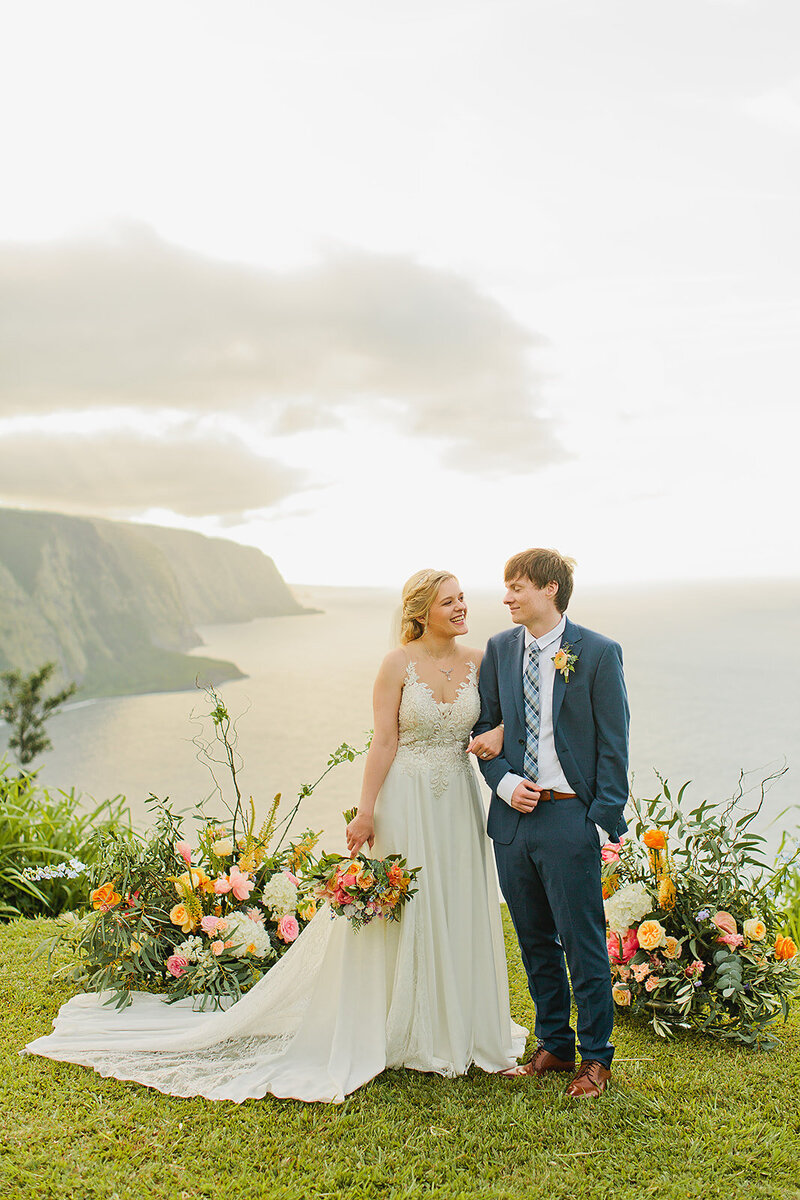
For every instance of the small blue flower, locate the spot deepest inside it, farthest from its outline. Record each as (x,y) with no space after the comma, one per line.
(704,914)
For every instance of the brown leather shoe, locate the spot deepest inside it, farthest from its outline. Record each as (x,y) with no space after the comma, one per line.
(540,1063)
(591,1080)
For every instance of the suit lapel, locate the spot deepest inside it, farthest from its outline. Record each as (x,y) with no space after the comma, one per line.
(571,638)
(517,653)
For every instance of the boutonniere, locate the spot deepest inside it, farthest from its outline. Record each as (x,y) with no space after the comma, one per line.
(565,661)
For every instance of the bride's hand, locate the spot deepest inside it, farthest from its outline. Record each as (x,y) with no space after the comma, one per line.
(361,829)
(487,745)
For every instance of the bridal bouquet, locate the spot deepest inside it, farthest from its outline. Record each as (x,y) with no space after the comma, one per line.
(361,888)
(694,931)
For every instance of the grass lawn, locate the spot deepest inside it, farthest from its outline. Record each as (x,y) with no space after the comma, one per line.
(686,1119)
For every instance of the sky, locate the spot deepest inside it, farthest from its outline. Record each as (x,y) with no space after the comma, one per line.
(376,286)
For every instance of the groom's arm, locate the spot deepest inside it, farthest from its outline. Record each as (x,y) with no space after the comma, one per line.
(611,719)
(491,715)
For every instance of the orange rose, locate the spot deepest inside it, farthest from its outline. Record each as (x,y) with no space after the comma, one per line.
(655,839)
(672,948)
(785,948)
(104,898)
(560,660)
(651,934)
(180,915)
(621,995)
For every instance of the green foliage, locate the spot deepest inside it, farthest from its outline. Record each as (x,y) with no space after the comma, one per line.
(789,901)
(26,710)
(53,834)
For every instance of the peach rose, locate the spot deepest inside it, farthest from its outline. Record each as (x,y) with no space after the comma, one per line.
(180,915)
(217,948)
(755,930)
(105,897)
(651,934)
(621,995)
(655,839)
(560,660)
(785,948)
(724,922)
(672,948)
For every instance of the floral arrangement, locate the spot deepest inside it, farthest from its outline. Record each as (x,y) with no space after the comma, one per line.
(694,930)
(202,918)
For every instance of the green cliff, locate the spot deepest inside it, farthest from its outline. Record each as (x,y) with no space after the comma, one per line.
(116,605)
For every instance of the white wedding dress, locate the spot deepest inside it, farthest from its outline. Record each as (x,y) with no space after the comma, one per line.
(429,992)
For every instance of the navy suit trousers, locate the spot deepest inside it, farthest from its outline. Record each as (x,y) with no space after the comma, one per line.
(550,877)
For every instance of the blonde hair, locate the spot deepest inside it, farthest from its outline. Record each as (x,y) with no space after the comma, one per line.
(419,593)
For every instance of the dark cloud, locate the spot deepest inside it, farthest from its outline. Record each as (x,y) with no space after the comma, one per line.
(127,320)
(122,474)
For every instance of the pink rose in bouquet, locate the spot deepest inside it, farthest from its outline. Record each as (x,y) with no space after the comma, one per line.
(288,928)
(610,852)
(176,965)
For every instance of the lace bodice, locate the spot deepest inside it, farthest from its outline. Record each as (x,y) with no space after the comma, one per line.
(433,734)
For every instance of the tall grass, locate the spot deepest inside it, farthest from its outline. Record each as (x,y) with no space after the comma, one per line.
(44,829)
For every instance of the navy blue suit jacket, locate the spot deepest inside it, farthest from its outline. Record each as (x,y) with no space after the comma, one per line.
(590,724)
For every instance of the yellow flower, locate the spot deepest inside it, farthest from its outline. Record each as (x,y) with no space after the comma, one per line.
(306,910)
(621,995)
(180,915)
(651,934)
(610,885)
(222,847)
(672,948)
(655,839)
(666,894)
(755,930)
(193,879)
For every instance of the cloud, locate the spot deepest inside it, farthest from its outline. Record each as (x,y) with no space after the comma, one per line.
(779,107)
(124,319)
(122,474)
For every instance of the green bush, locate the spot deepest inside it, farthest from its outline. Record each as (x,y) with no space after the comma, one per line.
(50,833)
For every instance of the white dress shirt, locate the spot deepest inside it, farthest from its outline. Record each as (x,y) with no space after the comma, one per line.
(551,773)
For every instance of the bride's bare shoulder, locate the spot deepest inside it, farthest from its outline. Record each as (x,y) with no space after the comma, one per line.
(395,663)
(470,654)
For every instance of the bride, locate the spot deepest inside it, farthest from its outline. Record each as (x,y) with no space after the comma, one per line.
(429,992)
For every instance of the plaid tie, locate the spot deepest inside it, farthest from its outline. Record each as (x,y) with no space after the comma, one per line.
(530,689)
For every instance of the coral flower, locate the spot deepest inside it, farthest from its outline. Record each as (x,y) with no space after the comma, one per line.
(755,930)
(180,915)
(785,948)
(655,839)
(651,934)
(560,660)
(652,983)
(217,948)
(184,851)
(732,940)
(105,897)
(622,949)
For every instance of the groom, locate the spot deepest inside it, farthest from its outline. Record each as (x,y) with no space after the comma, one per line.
(559,787)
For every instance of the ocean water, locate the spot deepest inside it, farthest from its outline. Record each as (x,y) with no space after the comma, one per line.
(712,674)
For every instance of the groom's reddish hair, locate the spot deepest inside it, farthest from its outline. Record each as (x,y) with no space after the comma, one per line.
(543,567)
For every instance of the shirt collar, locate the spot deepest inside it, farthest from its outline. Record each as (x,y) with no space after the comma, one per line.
(546,639)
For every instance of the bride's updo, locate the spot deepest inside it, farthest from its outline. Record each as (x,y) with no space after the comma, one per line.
(419,593)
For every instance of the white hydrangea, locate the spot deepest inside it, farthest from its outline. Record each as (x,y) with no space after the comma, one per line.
(244,932)
(191,949)
(627,907)
(280,895)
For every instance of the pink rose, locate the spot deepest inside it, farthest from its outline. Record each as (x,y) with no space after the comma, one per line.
(177,964)
(348,881)
(288,929)
(184,851)
(222,885)
(610,852)
(217,948)
(621,949)
(209,924)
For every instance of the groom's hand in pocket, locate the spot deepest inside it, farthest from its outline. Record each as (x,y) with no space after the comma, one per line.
(525,796)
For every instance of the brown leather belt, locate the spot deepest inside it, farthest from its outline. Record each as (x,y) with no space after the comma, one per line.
(549,794)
